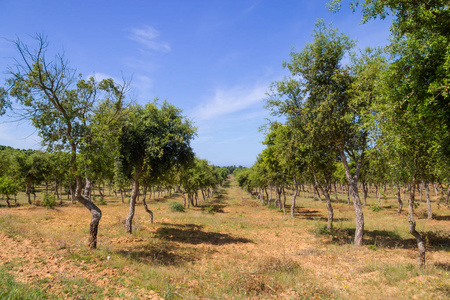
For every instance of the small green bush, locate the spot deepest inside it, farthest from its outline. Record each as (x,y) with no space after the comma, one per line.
(372,247)
(176,206)
(210,209)
(375,208)
(49,200)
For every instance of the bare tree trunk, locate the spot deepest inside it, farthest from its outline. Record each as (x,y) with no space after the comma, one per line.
(134,194)
(294,196)
(353,185)
(87,188)
(28,192)
(348,194)
(95,211)
(379,198)
(365,191)
(284,200)
(448,196)
(121,195)
(335,192)
(145,204)
(328,201)
(427,195)
(412,225)
(399,199)
(421,191)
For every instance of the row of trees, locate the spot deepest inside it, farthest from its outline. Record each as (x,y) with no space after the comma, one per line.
(94,136)
(380,119)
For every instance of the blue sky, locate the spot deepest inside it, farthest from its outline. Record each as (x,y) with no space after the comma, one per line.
(213,59)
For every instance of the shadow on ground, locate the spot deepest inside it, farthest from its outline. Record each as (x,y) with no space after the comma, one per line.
(193,234)
(162,254)
(390,239)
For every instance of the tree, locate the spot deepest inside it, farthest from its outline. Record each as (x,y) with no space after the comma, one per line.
(31,169)
(8,187)
(152,138)
(414,114)
(59,104)
(334,111)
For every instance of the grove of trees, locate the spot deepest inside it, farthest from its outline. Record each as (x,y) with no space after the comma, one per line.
(353,119)
(380,119)
(94,138)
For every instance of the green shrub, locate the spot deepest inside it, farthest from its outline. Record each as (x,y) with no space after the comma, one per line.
(49,200)
(176,206)
(210,209)
(372,247)
(375,208)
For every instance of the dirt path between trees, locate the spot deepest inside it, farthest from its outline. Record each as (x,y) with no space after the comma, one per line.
(37,261)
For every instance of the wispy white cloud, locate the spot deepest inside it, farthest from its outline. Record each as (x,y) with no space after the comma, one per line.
(147,36)
(100,76)
(230,101)
(143,86)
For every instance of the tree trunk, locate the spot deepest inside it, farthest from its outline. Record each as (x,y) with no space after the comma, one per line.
(348,194)
(399,199)
(448,196)
(365,191)
(134,194)
(87,188)
(427,195)
(436,189)
(95,211)
(328,201)
(28,192)
(121,195)
(335,193)
(412,226)
(145,204)
(284,200)
(353,185)
(379,198)
(294,196)
(421,192)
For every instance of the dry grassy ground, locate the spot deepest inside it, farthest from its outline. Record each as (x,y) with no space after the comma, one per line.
(229,248)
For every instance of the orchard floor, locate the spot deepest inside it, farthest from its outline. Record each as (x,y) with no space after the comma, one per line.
(230,247)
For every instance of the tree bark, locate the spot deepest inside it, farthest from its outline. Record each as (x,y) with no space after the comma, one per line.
(145,204)
(448,196)
(353,185)
(365,191)
(328,201)
(294,196)
(427,195)
(412,226)
(95,211)
(335,193)
(134,194)
(399,199)
(28,192)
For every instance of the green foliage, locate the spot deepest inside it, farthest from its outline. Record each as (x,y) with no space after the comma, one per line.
(375,208)
(4,102)
(49,200)
(176,207)
(372,247)
(8,186)
(321,229)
